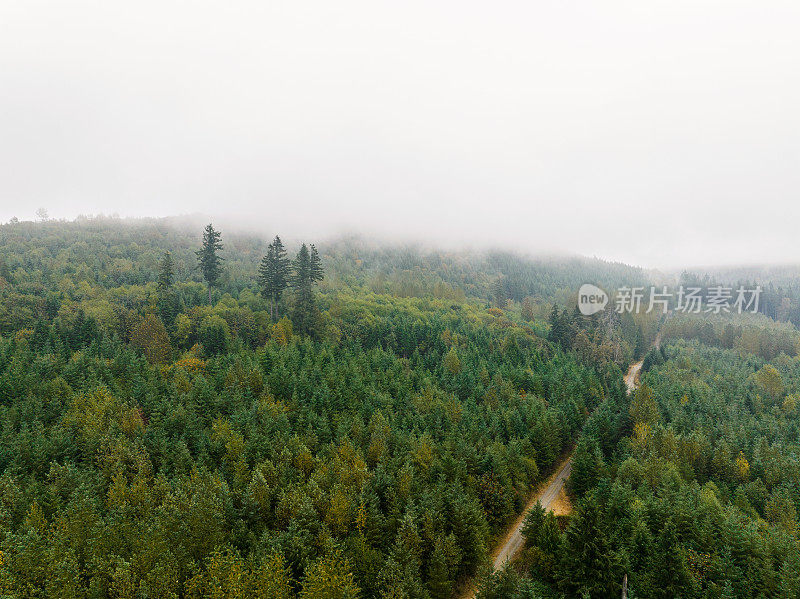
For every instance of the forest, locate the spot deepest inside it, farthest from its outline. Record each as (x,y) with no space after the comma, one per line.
(177,424)
(186,412)
(688,487)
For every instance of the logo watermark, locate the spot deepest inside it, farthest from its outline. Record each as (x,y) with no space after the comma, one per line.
(690,300)
(591,299)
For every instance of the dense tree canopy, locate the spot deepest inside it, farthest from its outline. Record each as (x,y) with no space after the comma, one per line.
(691,493)
(154,444)
(371,429)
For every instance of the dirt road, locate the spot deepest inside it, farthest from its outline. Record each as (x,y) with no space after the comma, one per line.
(514,539)
(545,495)
(632,378)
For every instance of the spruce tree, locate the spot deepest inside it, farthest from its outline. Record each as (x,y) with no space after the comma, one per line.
(587,466)
(527,308)
(587,567)
(5,272)
(503,584)
(556,333)
(440,584)
(168,302)
(304,274)
(330,577)
(499,293)
(166,272)
(273,274)
(207,259)
(315,265)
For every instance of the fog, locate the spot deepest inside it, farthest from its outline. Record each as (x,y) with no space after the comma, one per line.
(657,133)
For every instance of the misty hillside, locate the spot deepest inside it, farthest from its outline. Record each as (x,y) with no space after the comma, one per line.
(379,419)
(112,252)
(186,412)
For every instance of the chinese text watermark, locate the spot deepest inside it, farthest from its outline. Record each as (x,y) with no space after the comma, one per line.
(716,299)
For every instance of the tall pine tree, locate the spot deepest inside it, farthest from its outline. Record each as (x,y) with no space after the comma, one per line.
(207,259)
(273,274)
(315,265)
(168,302)
(306,271)
(166,272)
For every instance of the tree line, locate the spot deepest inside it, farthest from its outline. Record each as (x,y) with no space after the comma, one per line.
(276,273)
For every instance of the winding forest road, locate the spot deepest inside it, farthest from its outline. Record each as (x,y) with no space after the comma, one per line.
(513,540)
(546,495)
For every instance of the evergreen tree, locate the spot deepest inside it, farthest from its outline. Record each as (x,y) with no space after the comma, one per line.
(304,274)
(214,335)
(442,567)
(207,259)
(451,362)
(570,328)
(586,567)
(672,578)
(641,344)
(586,466)
(151,337)
(167,300)
(540,529)
(273,274)
(402,573)
(330,577)
(440,585)
(542,539)
(562,328)
(5,272)
(499,293)
(643,407)
(653,358)
(503,584)
(527,308)
(166,272)
(789,580)
(555,332)
(315,265)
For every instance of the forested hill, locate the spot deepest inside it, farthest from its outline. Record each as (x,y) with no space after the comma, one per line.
(111,252)
(363,429)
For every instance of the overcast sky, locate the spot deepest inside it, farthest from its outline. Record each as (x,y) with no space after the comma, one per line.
(655,132)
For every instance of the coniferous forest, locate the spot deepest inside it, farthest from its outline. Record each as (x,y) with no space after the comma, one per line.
(690,491)
(187,413)
(190,413)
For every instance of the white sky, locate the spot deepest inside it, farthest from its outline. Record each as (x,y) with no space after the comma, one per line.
(655,132)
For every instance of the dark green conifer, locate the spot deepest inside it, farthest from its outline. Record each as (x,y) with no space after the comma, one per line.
(207,259)
(273,275)
(165,272)
(305,272)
